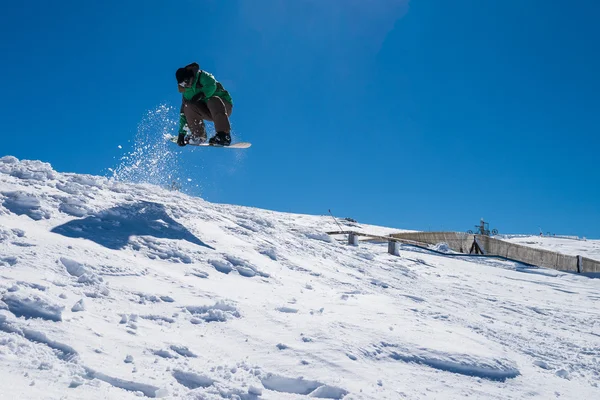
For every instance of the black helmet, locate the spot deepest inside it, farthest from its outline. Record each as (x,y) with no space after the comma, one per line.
(183,75)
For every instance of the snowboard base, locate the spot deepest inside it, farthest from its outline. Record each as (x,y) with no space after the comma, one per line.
(238,145)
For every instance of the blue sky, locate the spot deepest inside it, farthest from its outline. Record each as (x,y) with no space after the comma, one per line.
(420,115)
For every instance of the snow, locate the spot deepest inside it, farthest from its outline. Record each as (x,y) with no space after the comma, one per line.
(303,387)
(192,380)
(117,290)
(32,307)
(23,203)
(79,306)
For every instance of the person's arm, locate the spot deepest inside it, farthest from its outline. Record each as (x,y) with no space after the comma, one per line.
(182,124)
(182,120)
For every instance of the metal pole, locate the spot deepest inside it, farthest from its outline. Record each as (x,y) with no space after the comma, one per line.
(336,221)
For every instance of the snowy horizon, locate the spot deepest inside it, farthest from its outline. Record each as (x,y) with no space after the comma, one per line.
(114,290)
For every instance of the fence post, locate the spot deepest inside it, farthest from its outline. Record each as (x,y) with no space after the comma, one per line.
(579,264)
(481,249)
(353,239)
(475,248)
(393,247)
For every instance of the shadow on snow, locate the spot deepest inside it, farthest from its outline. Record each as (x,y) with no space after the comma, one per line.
(112,228)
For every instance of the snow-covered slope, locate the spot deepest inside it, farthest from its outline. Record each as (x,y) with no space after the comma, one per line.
(112,291)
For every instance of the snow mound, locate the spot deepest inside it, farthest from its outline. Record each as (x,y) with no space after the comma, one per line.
(219,312)
(22,203)
(191,380)
(146,390)
(309,388)
(465,364)
(78,307)
(27,170)
(33,306)
(442,248)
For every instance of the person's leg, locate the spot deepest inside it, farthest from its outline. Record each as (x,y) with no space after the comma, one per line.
(220,112)
(195,114)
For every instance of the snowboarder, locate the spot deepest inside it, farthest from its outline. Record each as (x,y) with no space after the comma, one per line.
(203,98)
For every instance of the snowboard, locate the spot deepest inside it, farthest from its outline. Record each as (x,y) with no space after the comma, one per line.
(239,145)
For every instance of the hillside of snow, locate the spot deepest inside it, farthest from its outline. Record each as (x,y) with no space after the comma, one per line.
(110,290)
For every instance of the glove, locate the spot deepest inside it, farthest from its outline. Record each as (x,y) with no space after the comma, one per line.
(181,139)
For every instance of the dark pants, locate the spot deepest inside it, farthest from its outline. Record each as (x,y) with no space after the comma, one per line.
(214,109)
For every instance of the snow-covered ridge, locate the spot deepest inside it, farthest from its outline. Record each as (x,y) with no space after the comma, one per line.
(114,290)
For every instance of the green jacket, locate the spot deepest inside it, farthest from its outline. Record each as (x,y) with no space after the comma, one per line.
(203,88)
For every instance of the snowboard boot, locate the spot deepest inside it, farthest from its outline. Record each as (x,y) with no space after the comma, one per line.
(220,139)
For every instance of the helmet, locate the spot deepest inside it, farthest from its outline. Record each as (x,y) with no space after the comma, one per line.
(184,76)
